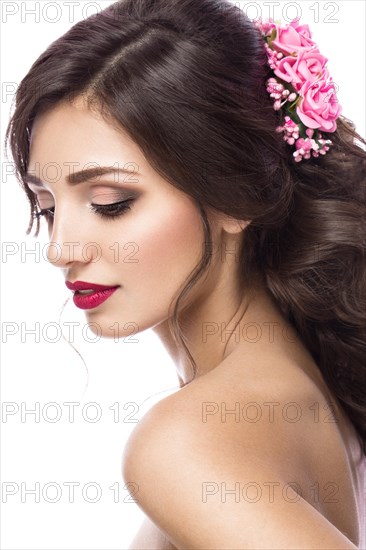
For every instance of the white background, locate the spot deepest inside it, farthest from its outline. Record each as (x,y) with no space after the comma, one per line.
(37,370)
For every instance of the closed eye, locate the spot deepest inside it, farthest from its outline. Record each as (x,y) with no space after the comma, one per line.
(110,211)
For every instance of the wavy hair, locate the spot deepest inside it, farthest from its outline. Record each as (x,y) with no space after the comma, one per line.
(186,80)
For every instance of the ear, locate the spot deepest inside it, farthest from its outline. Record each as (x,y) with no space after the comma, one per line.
(231,225)
(225,222)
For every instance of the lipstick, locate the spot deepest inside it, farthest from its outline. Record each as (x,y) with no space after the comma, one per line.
(96,295)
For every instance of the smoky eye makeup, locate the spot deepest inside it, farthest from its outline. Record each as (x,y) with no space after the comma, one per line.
(111,204)
(112,210)
(106,204)
(104,197)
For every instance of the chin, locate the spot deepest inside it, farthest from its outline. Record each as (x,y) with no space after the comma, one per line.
(110,328)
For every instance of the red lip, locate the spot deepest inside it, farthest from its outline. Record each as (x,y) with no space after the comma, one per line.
(100,294)
(81,285)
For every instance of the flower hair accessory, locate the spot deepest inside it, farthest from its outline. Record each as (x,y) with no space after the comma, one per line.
(301,86)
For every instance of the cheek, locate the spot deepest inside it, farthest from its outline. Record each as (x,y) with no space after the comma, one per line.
(172,236)
(168,242)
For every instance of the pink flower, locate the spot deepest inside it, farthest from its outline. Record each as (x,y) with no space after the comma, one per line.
(293,38)
(318,106)
(265,26)
(308,65)
(295,59)
(304,31)
(305,144)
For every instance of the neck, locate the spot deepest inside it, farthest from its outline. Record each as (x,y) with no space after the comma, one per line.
(217,325)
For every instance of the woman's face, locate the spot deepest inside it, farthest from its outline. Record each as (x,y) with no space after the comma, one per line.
(147,251)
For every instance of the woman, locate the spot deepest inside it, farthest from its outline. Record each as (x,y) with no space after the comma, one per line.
(154,145)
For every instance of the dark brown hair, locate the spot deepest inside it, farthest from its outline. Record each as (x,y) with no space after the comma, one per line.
(186,80)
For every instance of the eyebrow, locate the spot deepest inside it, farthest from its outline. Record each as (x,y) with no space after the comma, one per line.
(82,175)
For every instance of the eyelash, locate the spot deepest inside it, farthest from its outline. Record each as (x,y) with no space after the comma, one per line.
(109,211)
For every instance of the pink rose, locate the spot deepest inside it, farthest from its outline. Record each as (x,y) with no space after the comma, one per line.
(318,106)
(309,65)
(304,32)
(292,38)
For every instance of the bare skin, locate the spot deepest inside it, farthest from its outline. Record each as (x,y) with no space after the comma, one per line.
(265,362)
(332,481)
(327,444)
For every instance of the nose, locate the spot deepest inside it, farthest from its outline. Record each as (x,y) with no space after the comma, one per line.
(68,243)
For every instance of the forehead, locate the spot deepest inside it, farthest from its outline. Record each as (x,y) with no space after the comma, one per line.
(71,136)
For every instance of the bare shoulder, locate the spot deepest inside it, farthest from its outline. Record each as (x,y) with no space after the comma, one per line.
(225,406)
(211,463)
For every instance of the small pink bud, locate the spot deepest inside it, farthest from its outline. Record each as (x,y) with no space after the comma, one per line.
(292,96)
(290,122)
(309,132)
(277,105)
